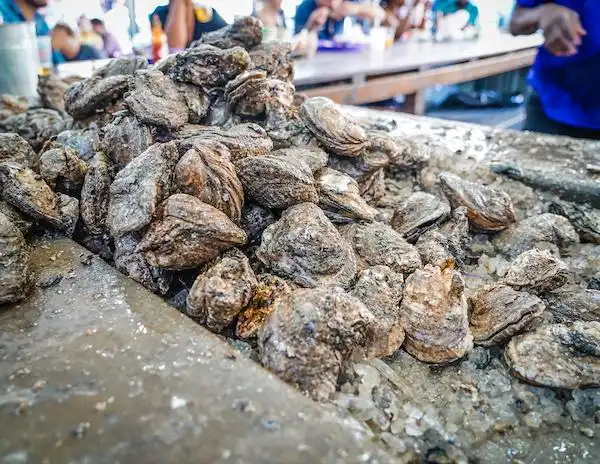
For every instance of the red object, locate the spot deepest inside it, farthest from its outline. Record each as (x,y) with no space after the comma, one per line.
(158,39)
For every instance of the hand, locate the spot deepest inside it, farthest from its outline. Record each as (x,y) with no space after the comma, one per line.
(562,29)
(318,18)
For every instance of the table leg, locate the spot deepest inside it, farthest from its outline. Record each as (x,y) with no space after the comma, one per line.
(415,103)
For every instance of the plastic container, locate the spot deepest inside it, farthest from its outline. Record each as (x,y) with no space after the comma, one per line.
(19,59)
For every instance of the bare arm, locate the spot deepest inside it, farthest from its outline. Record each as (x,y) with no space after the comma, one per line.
(525,21)
(179,28)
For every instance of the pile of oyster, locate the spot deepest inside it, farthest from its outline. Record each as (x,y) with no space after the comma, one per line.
(268,218)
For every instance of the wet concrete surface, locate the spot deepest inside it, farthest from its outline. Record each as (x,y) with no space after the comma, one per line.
(96,369)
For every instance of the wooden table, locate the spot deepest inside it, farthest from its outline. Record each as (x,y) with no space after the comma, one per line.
(410,68)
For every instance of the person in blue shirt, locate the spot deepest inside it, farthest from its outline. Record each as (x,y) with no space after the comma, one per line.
(565,75)
(69,44)
(448,7)
(327,16)
(18,11)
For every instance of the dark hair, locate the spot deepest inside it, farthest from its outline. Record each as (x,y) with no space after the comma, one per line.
(97,22)
(65,28)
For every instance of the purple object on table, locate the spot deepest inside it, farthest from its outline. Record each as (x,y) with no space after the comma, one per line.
(334,46)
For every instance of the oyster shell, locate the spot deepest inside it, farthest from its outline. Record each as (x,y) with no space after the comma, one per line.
(154,99)
(83,99)
(124,139)
(584,218)
(378,244)
(488,209)
(557,355)
(15,273)
(380,289)
(209,66)
(248,93)
(306,248)
(339,197)
(497,313)
(419,213)
(122,66)
(254,316)
(140,187)
(277,182)
(574,305)
(51,90)
(434,313)
(35,125)
(255,219)
(537,272)
(335,130)
(372,188)
(22,223)
(308,336)
(15,148)
(314,157)
(381,147)
(543,231)
(412,153)
(11,105)
(85,142)
(95,193)
(275,58)
(62,170)
(222,291)
(244,32)
(197,101)
(186,233)
(206,172)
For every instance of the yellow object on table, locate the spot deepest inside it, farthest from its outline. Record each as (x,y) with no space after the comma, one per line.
(203,14)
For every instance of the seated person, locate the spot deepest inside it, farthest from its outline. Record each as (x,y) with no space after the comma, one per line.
(18,11)
(447,7)
(110,44)
(327,16)
(68,43)
(400,14)
(183,22)
(87,34)
(273,19)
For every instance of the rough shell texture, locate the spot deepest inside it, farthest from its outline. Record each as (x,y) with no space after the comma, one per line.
(275,58)
(542,231)
(93,207)
(23,223)
(35,125)
(378,244)
(51,90)
(336,131)
(372,188)
(574,305)
(558,355)
(254,316)
(309,335)
(15,277)
(244,32)
(83,99)
(313,156)
(242,140)
(434,312)
(154,99)
(537,272)
(124,139)
(497,313)
(305,247)
(380,289)
(134,264)
(196,99)
(248,93)
(339,197)
(361,167)
(382,147)
(419,213)
(206,172)
(62,170)
(209,66)
(15,148)
(277,182)
(84,141)
(255,219)
(584,218)
(222,291)
(187,233)
(488,209)
(412,153)
(122,66)
(140,187)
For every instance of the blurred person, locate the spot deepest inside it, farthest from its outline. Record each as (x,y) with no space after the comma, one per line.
(18,11)
(272,16)
(87,34)
(185,21)
(400,14)
(118,22)
(327,16)
(443,8)
(565,99)
(68,43)
(110,44)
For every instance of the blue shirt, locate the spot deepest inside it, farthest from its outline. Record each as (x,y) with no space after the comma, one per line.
(568,87)
(10,13)
(331,28)
(215,23)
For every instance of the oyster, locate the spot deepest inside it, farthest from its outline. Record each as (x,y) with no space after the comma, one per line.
(122,66)
(275,58)
(336,131)
(254,316)
(378,244)
(62,170)
(574,305)
(83,99)
(134,264)
(381,146)
(537,272)
(255,219)
(15,148)
(305,247)
(140,187)
(434,313)
(124,139)
(245,32)
(584,218)
(209,66)
(11,105)
(497,313)
(14,215)
(543,231)
(419,213)
(242,140)
(85,142)
(557,355)
(222,291)
(277,182)
(361,168)
(154,99)
(340,198)
(35,125)
(380,289)
(488,209)
(220,112)
(26,191)
(372,188)
(51,90)
(93,207)
(206,172)
(197,101)
(308,336)
(187,233)
(248,93)
(412,153)
(314,157)
(15,273)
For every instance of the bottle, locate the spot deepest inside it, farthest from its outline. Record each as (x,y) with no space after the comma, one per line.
(159,40)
